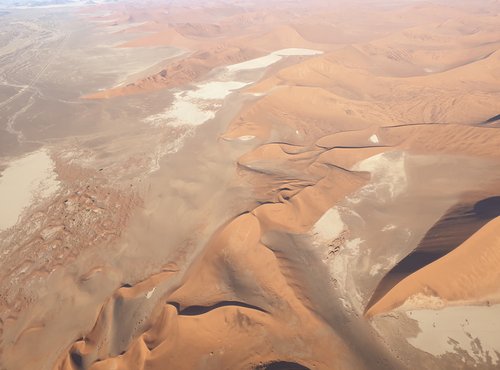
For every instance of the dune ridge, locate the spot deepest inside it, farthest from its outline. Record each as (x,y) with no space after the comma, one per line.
(473,278)
(234,251)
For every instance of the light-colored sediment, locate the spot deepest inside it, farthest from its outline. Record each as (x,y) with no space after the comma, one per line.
(473,329)
(270,59)
(197,106)
(25,181)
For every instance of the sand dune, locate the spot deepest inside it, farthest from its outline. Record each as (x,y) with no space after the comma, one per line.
(184,71)
(219,289)
(464,274)
(449,138)
(263,185)
(459,223)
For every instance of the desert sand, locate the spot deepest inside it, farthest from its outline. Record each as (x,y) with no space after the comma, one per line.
(279,185)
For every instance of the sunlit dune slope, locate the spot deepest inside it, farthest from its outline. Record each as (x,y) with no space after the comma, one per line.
(467,273)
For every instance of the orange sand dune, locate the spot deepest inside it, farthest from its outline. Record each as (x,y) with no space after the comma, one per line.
(166,36)
(315,120)
(468,273)
(257,284)
(446,138)
(235,285)
(180,72)
(278,38)
(301,114)
(442,97)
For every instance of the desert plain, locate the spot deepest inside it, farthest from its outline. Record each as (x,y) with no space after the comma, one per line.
(261,185)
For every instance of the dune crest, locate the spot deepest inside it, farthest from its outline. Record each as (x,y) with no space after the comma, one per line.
(465,274)
(262,185)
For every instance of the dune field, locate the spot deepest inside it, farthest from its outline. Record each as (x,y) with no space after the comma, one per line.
(255,185)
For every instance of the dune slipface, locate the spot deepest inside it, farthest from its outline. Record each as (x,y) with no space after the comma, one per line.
(269,185)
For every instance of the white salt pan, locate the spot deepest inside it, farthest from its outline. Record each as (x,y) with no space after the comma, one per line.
(195,107)
(256,63)
(26,180)
(329,226)
(217,90)
(270,59)
(474,329)
(388,174)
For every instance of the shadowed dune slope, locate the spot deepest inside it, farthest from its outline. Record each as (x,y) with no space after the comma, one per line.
(467,273)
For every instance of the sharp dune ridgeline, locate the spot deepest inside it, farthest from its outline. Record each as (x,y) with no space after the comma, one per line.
(259,185)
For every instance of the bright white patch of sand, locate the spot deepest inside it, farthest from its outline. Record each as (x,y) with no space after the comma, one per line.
(375,269)
(246,137)
(329,226)
(474,329)
(168,148)
(326,230)
(346,304)
(216,90)
(389,227)
(186,112)
(353,199)
(150,293)
(388,175)
(182,112)
(340,266)
(26,180)
(374,139)
(259,94)
(195,107)
(270,59)
(256,63)
(422,301)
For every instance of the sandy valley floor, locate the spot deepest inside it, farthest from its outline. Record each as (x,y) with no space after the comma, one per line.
(200,184)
